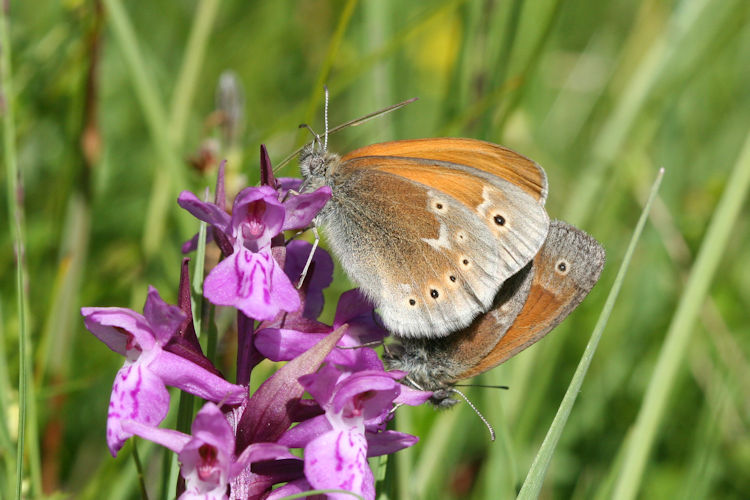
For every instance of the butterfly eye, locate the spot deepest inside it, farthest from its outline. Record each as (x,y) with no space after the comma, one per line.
(562,267)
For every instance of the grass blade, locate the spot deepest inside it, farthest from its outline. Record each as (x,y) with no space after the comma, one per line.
(681,327)
(187,81)
(533,483)
(16,225)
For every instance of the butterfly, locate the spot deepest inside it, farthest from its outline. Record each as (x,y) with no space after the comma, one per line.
(430,229)
(527,307)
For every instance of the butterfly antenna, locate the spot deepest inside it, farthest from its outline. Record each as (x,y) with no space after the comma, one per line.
(374,343)
(325,119)
(316,137)
(479,414)
(484,385)
(350,123)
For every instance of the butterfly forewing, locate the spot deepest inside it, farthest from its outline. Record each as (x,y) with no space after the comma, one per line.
(439,238)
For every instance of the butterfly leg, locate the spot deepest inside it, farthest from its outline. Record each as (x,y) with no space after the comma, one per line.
(309,258)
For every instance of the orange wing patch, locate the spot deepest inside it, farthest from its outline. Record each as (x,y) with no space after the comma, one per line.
(532,323)
(485,156)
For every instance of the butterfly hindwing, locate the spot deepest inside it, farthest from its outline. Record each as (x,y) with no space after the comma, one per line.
(564,272)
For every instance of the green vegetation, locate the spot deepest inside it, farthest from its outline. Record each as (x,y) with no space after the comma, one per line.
(105,102)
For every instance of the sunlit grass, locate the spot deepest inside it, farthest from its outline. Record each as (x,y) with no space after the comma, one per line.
(601,94)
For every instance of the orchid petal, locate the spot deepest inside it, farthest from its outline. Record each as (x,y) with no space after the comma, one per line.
(118,327)
(211,426)
(168,438)
(301,209)
(387,442)
(205,211)
(358,312)
(258,452)
(252,283)
(163,318)
(257,216)
(138,395)
(338,460)
(292,488)
(179,372)
(322,384)
(278,344)
(304,432)
(366,393)
(288,184)
(412,397)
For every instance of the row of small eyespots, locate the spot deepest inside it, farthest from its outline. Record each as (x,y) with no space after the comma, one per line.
(434,293)
(498,218)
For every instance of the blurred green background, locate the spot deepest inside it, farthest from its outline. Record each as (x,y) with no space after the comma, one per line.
(115,111)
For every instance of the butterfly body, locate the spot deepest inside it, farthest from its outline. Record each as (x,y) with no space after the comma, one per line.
(527,307)
(430,229)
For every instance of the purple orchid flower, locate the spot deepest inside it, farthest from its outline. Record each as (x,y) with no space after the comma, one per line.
(249,278)
(297,335)
(208,462)
(139,392)
(356,405)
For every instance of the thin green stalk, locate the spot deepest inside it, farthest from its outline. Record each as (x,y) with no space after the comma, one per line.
(435,447)
(187,79)
(199,265)
(6,442)
(55,344)
(405,459)
(139,470)
(325,68)
(168,170)
(681,327)
(707,441)
(458,89)
(378,87)
(16,224)
(530,65)
(534,479)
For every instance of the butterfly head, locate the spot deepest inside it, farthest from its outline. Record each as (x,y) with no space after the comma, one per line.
(316,166)
(427,369)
